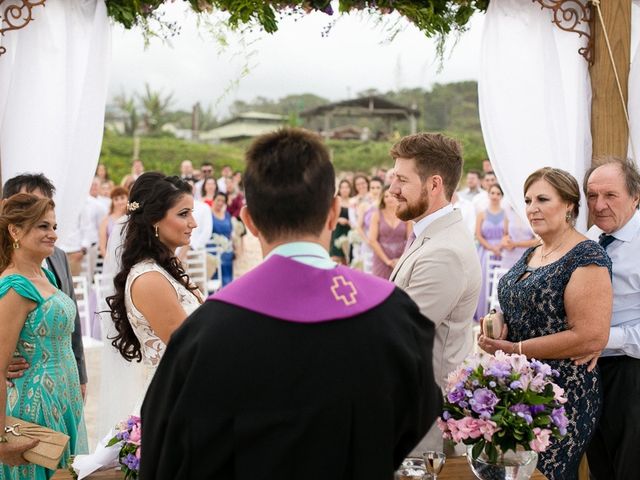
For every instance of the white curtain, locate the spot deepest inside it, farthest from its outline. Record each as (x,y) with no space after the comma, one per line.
(53,87)
(534,95)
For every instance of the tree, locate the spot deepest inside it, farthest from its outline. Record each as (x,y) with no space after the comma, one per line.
(128,106)
(155,106)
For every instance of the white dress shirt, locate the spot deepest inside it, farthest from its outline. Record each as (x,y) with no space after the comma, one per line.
(202,233)
(422,225)
(222,185)
(91,216)
(624,251)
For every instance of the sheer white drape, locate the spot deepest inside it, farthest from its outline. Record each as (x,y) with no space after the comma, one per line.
(535,96)
(53,87)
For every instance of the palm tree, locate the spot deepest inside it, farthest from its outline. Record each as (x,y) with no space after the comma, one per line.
(155,108)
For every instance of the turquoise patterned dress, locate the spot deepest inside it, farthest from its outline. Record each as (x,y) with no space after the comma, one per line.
(49,392)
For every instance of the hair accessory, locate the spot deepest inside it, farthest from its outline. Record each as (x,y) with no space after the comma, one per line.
(156,227)
(16,244)
(132,206)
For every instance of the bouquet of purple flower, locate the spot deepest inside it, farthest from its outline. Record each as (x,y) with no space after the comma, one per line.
(497,403)
(129,436)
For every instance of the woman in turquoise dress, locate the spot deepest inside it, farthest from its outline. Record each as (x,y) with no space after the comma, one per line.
(222,225)
(36,322)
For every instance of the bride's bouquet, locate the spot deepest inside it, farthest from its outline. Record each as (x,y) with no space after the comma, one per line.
(129,436)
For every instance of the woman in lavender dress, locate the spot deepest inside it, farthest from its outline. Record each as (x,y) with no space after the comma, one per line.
(387,235)
(519,238)
(365,215)
(491,226)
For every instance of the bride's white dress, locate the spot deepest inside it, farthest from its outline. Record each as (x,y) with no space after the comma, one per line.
(124,384)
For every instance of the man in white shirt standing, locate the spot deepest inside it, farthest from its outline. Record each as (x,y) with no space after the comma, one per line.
(473,185)
(91,216)
(439,269)
(222,181)
(613,195)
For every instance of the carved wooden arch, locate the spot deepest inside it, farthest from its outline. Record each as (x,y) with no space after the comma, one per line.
(16,14)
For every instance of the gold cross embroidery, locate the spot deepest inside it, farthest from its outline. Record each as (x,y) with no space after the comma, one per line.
(344,291)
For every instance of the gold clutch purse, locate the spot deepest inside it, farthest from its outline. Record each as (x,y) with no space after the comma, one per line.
(50,449)
(492,324)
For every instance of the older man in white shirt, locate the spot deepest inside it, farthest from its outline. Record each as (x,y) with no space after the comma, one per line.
(613,196)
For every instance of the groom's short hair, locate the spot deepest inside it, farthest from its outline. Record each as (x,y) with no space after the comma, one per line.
(289,183)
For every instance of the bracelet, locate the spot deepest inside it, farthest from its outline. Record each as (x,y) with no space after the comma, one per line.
(520,347)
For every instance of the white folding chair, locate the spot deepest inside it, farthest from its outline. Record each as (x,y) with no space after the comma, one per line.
(496,275)
(103,286)
(492,264)
(81,290)
(196,267)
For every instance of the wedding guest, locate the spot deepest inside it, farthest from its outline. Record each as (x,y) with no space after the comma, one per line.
(365,213)
(481,200)
(557,306)
(36,321)
(223,226)
(206,170)
(222,181)
(388,235)
(613,193)
(360,199)
(208,191)
(491,227)
(104,194)
(41,186)
(439,268)
(473,185)
(186,170)
(137,169)
(91,216)
(119,199)
(518,239)
(340,254)
(339,361)
(235,198)
(102,173)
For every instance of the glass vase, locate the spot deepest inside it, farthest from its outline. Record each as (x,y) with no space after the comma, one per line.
(518,465)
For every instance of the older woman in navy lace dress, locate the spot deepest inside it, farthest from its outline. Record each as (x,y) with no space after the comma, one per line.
(557,304)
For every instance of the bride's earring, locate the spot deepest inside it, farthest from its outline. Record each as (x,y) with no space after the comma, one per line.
(156,227)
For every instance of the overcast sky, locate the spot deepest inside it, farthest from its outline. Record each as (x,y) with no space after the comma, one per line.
(296,59)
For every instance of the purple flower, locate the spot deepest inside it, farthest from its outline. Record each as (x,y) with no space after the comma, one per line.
(483,401)
(131,461)
(522,410)
(515,384)
(500,369)
(541,367)
(446,415)
(328,10)
(560,420)
(535,409)
(454,396)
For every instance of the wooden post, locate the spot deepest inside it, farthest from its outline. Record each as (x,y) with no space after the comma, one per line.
(608,124)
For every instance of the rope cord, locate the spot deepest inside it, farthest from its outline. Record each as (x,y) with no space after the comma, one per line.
(596,3)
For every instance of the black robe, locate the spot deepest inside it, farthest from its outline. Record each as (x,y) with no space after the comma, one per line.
(240,395)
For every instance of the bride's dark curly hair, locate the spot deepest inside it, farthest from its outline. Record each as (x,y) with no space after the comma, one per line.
(151,196)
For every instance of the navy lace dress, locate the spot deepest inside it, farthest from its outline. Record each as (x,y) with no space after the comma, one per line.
(533,306)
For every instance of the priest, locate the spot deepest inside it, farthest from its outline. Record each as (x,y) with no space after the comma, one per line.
(301,368)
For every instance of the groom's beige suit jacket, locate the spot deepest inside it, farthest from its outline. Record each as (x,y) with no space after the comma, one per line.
(441,273)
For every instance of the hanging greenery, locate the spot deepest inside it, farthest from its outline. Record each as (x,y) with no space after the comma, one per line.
(433,17)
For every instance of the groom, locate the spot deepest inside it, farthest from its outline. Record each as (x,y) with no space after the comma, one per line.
(300,368)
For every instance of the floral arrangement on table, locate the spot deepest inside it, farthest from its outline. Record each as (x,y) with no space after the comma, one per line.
(129,436)
(503,402)
(433,17)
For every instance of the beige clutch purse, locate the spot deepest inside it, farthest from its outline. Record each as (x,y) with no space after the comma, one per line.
(50,449)
(492,324)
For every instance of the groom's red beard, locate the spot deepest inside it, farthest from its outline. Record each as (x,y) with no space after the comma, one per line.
(406,211)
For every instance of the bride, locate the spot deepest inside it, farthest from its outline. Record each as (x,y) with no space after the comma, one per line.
(153,294)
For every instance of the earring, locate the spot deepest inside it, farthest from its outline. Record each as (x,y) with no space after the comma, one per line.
(568,217)
(156,227)
(16,244)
